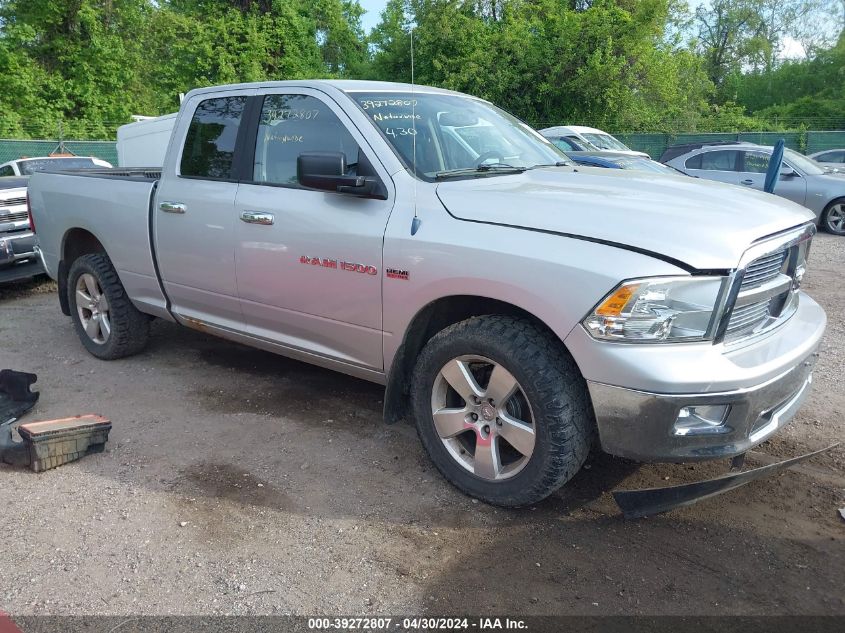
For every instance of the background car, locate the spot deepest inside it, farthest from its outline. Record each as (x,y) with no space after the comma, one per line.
(834,158)
(581,138)
(26,166)
(618,160)
(18,259)
(802,180)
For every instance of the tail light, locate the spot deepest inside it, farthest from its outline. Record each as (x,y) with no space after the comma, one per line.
(29,213)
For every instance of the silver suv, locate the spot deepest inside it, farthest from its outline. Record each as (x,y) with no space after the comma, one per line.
(801,179)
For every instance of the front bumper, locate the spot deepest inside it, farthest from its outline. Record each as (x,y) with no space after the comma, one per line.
(638,391)
(18,259)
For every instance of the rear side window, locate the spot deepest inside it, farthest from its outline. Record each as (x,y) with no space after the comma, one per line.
(756,163)
(724,160)
(210,144)
(7,171)
(291,125)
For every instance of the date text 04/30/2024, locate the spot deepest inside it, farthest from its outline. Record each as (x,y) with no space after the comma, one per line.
(417,624)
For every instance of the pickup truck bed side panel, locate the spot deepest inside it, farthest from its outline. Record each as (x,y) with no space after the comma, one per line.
(116,212)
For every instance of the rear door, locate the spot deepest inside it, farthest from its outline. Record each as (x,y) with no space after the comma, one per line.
(721,165)
(309,263)
(755,164)
(194,211)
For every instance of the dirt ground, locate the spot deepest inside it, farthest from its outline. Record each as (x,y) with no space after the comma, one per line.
(239,482)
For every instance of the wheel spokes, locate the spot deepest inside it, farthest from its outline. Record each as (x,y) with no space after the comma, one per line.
(83,300)
(518,434)
(501,387)
(487,462)
(91,285)
(92,328)
(459,377)
(105,325)
(450,422)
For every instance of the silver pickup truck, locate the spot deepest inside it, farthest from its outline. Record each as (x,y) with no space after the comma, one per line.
(517,307)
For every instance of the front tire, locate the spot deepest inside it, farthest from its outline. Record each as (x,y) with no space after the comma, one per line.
(833,217)
(502,409)
(107,323)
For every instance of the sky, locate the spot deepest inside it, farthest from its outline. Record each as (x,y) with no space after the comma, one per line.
(373,10)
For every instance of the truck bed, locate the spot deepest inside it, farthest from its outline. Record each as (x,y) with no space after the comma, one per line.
(113,205)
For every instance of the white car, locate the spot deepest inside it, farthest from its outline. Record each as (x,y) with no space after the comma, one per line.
(28,166)
(587,139)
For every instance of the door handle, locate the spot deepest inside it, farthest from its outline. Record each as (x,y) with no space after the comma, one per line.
(257,217)
(747,182)
(172,207)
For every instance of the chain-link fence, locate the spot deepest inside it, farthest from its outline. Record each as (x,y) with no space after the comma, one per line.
(806,142)
(14,149)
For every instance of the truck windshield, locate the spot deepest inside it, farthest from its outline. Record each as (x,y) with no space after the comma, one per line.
(435,134)
(29,167)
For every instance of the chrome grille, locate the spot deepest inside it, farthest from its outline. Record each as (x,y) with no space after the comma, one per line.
(12,202)
(763,269)
(746,318)
(18,216)
(751,317)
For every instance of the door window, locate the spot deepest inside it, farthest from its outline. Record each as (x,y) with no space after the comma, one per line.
(7,171)
(291,125)
(723,160)
(210,144)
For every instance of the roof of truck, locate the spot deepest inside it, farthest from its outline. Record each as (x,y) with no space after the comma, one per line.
(344,85)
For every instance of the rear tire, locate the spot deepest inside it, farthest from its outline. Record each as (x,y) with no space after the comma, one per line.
(107,323)
(523,426)
(833,217)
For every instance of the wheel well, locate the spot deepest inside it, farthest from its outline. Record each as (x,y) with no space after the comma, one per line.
(76,243)
(433,318)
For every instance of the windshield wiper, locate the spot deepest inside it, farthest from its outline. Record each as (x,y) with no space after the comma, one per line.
(482,168)
(560,163)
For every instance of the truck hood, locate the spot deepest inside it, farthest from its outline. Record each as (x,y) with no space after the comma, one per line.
(701,223)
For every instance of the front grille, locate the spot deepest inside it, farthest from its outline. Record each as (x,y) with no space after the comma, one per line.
(748,318)
(13,217)
(763,269)
(12,202)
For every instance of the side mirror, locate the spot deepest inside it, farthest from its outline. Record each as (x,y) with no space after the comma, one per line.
(787,172)
(326,171)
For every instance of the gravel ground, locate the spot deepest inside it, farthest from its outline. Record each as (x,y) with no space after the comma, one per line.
(238,482)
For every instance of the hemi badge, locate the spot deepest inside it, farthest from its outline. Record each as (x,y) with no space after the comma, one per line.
(395,273)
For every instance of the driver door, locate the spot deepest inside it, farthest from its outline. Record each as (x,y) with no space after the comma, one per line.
(309,263)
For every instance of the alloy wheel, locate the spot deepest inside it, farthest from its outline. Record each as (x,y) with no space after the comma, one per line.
(836,217)
(92,306)
(483,417)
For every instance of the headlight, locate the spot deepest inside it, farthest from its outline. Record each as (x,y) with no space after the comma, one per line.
(659,309)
